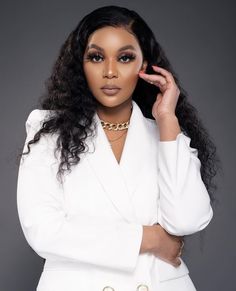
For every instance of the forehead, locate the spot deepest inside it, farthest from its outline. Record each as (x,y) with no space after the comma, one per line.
(112,38)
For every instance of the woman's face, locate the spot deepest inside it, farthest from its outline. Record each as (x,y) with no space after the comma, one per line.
(112,57)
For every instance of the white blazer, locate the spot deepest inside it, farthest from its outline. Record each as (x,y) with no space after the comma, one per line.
(90,230)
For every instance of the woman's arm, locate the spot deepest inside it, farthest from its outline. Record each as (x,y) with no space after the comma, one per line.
(184,206)
(52,232)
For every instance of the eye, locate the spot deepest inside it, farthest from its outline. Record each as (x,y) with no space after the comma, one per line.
(95,57)
(92,56)
(130,57)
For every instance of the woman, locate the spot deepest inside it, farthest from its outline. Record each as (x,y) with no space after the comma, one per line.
(111,185)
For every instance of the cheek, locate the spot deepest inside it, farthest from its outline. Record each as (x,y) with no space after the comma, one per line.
(130,74)
(91,75)
(131,70)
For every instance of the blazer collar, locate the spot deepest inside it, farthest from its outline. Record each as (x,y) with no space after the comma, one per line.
(119,180)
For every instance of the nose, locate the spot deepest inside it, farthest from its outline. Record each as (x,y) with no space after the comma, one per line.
(110,69)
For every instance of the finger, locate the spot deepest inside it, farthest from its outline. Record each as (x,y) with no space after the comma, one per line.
(152,76)
(155,79)
(164,72)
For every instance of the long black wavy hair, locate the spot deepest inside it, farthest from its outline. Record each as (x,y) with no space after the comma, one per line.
(74,105)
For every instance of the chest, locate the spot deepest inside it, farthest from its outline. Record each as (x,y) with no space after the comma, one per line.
(114,197)
(117,142)
(119,181)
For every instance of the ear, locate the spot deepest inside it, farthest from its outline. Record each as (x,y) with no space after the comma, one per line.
(144,66)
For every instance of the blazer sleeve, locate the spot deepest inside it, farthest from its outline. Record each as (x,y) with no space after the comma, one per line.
(184,205)
(51,231)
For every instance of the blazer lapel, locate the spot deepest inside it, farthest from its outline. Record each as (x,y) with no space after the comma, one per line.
(106,168)
(120,180)
(138,151)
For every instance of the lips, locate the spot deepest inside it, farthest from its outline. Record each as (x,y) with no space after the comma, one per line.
(110,90)
(110,87)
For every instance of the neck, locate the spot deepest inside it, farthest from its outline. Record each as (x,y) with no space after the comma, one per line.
(117,114)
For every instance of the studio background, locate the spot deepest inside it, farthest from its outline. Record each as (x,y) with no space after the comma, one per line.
(199,40)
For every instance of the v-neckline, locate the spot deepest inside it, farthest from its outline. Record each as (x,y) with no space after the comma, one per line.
(123,153)
(120,180)
(122,147)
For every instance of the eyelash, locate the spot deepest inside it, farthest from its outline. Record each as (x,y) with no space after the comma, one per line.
(90,57)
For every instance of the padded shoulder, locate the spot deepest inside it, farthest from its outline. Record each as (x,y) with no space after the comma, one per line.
(33,124)
(36,118)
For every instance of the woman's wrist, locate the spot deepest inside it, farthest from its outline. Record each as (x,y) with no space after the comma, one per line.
(165,115)
(168,126)
(149,239)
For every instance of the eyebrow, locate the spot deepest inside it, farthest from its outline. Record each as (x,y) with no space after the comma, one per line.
(120,49)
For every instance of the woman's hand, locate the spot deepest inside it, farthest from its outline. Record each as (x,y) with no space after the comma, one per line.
(163,245)
(167,99)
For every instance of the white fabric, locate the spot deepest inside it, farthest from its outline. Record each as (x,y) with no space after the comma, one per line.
(90,230)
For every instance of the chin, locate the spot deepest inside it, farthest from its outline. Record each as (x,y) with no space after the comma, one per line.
(111,101)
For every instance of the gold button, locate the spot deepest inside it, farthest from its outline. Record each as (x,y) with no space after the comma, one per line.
(108,288)
(142,287)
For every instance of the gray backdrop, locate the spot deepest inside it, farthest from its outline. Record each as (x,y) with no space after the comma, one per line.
(199,39)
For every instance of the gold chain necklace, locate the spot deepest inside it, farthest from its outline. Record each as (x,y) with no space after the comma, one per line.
(115,126)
